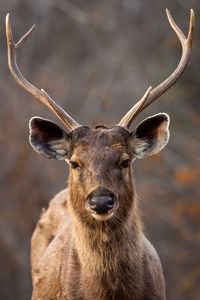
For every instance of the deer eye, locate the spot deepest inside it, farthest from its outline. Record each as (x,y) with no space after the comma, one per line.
(125,163)
(74,164)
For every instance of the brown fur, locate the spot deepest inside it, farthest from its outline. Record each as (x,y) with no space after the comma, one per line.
(75,256)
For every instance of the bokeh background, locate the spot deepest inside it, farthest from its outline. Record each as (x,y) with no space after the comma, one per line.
(96,58)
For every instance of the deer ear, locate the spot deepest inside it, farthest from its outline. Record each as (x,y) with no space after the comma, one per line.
(49,139)
(151,135)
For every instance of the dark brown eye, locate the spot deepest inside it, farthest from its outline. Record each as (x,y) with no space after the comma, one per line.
(125,163)
(74,164)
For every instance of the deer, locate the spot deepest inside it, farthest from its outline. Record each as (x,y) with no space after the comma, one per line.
(90,244)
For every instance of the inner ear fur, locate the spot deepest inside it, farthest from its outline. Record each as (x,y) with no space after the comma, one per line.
(48,139)
(151,135)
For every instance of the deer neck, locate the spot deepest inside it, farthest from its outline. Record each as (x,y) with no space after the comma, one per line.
(109,259)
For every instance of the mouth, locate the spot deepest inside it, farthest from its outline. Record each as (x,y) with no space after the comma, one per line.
(102,217)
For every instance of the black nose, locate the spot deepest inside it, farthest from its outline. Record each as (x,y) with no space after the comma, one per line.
(101,201)
(101,205)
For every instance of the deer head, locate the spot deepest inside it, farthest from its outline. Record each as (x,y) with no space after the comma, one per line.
(101,180)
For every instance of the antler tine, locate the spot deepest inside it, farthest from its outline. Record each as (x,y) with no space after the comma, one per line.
(41,96)
(186,44)
(135,110)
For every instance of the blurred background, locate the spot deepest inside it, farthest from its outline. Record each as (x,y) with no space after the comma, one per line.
(96,59)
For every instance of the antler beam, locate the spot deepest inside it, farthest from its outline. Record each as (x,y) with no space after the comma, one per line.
(186,44)
(41,96)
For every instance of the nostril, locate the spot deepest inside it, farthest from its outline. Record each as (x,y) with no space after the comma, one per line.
(93,204)
(110,203)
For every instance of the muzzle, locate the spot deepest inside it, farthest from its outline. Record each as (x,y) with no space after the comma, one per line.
(101,203)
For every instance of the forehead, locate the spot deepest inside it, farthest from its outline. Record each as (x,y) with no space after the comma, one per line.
(101,140)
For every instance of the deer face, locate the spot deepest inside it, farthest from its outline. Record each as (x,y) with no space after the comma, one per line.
(100,164)
(101,181)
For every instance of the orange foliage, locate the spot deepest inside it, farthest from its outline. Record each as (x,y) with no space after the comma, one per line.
(184,174)
(191,208)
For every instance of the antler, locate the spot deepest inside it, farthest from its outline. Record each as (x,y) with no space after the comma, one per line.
(41,96)
(151,96)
